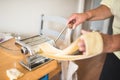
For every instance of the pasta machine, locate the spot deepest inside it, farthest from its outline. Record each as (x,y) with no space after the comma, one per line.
(30,48)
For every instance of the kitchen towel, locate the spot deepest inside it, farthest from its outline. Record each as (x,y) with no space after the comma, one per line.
(69,69)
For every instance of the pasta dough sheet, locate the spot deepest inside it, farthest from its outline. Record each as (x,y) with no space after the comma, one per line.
(93,44)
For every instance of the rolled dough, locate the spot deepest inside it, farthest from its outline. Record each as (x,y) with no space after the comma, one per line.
(93,43)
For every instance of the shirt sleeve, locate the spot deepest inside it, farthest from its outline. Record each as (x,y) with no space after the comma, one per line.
(107,3)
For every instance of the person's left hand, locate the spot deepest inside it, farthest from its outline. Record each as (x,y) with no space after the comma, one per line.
(81,44)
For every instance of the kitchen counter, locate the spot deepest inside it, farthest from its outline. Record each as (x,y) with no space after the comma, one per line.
(10,59)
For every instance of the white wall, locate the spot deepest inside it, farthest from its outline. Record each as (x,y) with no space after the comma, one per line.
(23,16)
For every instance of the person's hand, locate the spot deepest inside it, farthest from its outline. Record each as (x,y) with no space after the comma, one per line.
(81,44)
(76,19)
(107,43)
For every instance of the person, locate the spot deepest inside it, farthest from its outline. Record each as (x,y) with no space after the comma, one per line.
(107,9)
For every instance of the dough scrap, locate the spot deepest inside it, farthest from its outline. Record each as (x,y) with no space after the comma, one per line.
(14,73)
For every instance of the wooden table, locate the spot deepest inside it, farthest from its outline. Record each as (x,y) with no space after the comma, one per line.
(10,59)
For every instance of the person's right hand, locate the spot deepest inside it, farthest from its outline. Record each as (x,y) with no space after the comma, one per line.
(77,18)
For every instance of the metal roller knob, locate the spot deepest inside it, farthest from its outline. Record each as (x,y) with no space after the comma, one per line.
(24,50)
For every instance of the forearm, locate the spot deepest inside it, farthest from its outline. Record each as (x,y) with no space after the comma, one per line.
(111,43)
(102,12)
